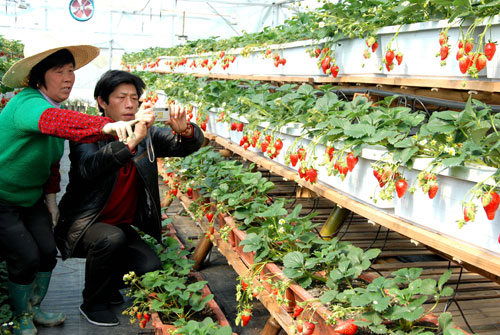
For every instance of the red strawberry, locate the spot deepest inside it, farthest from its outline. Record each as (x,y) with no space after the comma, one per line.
(468,47)
(312,175)
(401,187)
(278,144)
(264,145)
(489,50)
(444,51)
(376,174)
(329,151)
(211,229)
(210,216)
(147,317)
(300,323)
(203,126)
(189,192)
(346,328)
(443,38)
(490,201)
(317,52)
(139,316)
(297,310)
(351,161)
(174,191)
(308,328)
(389,57)
(374,46)
(399,57)
(334,70)
(294,158)
(282,61)
(325,63)
(463,64)
(245,317)
(433,190)
(460,53)
(233,126)
(244,285)
(302,153)
(239,126)
(481,62)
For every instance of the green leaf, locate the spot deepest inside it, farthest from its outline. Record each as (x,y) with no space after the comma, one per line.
(444,278)
(294,259)
(328,296)
(359,130)
(445,320)
(453,161)
(446,115)
(305,89)
(406,143)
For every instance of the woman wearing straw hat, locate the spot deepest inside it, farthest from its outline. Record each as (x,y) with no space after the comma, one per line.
(33,128)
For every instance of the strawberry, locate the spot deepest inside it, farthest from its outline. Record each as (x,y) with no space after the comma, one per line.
(139,316)
(264,145)
(142,324)
(334,70)
(300,323)
(312,175)
(351,161)
(294,158)
(278,144)
(203,126)
(246,145)
(399,57)
(317,52)
(282,61)
(147,317)
(245,317)
(302,153)
(490,202)
(444,51)
(460,53)
(468,47)
(433,190)
(210,216)
(374,46)
(211,229)
(308,328)
(389,57)
(189,192)
(244,285)
(481,62)
(489,50)
(325,63)
(346,328)
(239,126)
(401,187)
(297,311)
(463,64)
(174,192)
(377,174)
(329,151)
(443,38)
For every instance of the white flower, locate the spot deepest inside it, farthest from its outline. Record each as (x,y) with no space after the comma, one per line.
(450,150)
(321,24)
(182,171)
(422,143)
(281,221)
(281,230)
(375,302)
(223,104)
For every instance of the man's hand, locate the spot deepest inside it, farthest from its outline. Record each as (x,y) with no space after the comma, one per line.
(146,114)
(50,201)
(141,128)
(178,121)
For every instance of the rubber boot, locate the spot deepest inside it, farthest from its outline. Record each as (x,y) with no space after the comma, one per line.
(19,296)
(40,287)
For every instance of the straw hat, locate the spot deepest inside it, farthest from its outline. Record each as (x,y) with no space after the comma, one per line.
(17,75)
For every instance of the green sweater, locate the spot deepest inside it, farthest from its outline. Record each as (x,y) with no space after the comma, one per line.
(26,154)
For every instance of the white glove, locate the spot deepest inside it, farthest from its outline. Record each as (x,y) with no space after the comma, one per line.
(50,201)
(122,129)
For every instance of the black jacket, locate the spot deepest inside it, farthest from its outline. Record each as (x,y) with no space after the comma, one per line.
(94,171)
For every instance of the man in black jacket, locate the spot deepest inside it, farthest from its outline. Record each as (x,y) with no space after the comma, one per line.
(112,186)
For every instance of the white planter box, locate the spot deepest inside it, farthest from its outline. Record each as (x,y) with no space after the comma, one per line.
(440,214)
(419,43)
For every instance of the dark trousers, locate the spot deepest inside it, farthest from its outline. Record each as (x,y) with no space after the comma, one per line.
(111,252)
(26,241)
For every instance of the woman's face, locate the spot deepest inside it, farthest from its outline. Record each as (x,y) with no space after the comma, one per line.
(59,82)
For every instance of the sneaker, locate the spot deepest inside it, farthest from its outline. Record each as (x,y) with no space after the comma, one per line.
(115,297)
(99,315)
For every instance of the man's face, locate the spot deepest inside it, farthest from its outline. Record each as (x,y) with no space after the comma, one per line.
(123,103)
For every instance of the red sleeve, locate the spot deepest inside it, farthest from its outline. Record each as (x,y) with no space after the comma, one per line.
(73,126)
(53,183)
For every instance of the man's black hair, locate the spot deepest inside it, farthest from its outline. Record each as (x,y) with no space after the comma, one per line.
(111,79)
(55,60)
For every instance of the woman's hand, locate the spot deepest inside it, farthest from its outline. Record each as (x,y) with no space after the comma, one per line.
(50,201)
(121,129)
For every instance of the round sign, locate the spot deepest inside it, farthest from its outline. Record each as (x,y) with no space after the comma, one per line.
(81,10)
